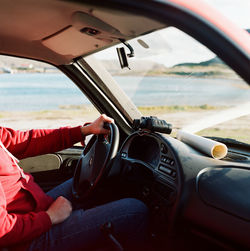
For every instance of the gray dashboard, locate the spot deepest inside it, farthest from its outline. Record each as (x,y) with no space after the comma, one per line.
(209,194)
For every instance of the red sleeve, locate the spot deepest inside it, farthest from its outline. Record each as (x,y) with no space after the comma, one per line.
(24,144)
(16,228)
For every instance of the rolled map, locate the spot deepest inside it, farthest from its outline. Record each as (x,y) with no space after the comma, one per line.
(212,148)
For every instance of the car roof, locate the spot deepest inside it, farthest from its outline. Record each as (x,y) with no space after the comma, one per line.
(60,31)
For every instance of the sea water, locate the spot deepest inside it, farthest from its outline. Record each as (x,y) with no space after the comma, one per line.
(47,91)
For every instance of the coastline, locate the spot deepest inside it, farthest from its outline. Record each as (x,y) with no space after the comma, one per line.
(71,116)
(25,120)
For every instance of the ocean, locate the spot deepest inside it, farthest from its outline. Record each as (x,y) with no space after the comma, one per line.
(40,91)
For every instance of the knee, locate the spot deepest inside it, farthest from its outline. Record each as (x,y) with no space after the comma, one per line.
(135,209)
(136,206)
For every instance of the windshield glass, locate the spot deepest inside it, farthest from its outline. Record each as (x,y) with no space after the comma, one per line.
(175,78)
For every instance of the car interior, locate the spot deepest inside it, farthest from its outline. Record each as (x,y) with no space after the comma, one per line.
(196,202)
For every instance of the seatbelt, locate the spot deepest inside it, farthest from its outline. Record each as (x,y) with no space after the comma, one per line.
(14,159)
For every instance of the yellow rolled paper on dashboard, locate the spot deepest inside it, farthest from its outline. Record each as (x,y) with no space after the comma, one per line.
(212,148)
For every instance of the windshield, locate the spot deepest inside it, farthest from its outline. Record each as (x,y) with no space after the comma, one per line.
(175,78)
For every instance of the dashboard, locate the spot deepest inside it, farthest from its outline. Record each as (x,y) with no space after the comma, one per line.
(179,183)
(153,151)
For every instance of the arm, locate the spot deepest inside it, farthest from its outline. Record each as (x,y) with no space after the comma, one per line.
(24,144)
(41,141)
(19,228)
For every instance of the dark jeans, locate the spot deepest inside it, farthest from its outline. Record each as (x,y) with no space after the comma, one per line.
(81,231)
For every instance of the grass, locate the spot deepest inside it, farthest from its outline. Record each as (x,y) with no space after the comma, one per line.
(217,70)
(82,110)
(149,110)
(237,134)
(65,112)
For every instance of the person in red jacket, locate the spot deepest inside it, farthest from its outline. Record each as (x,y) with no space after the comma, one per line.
(33,220)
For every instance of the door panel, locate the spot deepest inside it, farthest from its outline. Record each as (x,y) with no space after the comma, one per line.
(50,170)
(41,163)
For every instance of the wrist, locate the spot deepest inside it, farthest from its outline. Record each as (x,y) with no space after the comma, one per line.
(51,217)
(85,130)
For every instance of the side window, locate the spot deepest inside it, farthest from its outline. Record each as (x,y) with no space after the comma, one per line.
(38,95)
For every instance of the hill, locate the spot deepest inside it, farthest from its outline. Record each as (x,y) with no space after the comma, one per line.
(138,67)
(214,67)
(213,61)
(14,64)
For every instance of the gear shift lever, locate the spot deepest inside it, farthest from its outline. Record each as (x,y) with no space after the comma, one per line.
(107,230)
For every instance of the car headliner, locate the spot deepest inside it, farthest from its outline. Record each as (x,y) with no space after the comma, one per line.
(53,31)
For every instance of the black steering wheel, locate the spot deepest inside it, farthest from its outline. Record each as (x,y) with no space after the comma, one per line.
(94,162)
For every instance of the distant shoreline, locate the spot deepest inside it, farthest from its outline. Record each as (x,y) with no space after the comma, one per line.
(216,71)
(75,116)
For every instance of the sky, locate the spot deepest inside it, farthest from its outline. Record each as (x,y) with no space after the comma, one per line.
(236,10)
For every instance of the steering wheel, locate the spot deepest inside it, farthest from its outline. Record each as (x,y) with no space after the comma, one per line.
(94,162)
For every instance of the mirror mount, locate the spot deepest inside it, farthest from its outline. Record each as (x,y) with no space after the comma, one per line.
(123,57)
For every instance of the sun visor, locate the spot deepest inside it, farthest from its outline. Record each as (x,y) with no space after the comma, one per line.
(89,32)
(71,41)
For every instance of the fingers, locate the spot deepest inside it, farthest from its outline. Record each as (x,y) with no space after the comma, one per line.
(106,118)
(104,129)
(97,126)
